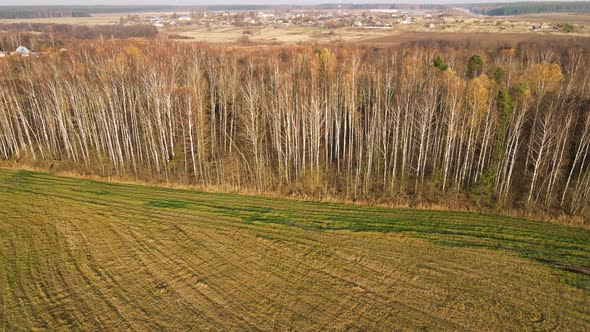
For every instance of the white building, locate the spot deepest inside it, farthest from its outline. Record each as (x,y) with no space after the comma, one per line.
(407,20)
(22,51)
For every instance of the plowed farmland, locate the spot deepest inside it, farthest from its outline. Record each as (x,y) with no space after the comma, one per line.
(85,255)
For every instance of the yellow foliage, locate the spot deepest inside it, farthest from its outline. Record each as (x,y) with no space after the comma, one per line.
(132,51)
(324,55)
(129,52)
(450,76)
(544,77)
(120,60)
(526,94)
(327,61)
(508,52)
(454,83)
(478,95)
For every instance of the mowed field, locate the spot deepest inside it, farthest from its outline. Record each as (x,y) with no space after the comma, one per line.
(84,255)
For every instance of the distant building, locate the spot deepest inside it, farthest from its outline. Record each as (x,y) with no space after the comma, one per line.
(407,20)
(185,18)
(23,51)
(546,26)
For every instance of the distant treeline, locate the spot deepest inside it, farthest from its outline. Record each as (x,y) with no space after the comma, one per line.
(85,32)
(519,8)
(15,12)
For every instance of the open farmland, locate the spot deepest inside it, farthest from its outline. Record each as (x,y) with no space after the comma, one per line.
(487,40)
(86,255)
(467,33)
(574,18)
(93,20)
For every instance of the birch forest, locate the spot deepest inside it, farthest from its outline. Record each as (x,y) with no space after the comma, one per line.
(507,128)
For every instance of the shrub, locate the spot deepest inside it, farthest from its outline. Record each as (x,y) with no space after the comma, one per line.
(498,74)
(566,27)
(474,66)
(440,64)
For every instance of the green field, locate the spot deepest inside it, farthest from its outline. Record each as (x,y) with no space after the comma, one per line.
(85,255)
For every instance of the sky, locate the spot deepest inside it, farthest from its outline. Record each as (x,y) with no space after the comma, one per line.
(221,2)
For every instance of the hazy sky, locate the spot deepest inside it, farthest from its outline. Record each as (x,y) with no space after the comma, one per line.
(219,2)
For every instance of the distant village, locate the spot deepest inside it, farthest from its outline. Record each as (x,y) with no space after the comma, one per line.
(325,19)
(375,18)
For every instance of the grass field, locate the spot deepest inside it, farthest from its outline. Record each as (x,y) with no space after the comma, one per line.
(86,255)
(374,37)
(572,18)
